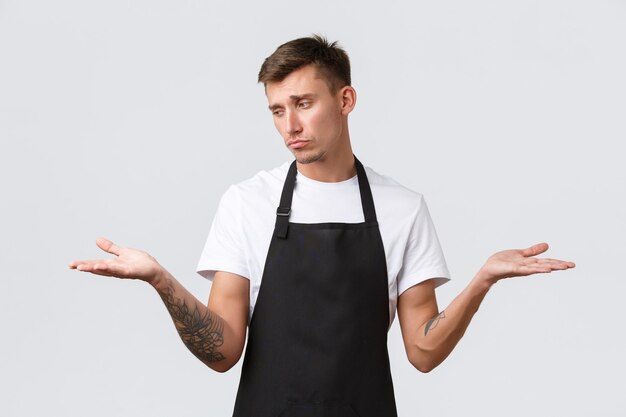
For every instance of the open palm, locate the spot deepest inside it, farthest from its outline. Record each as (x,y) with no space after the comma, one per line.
(127,263)
(521,262)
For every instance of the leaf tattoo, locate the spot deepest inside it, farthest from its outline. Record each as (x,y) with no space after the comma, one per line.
(202,333)
(432,323)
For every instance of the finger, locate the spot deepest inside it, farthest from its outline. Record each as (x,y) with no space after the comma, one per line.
(87,266)
(96,270)
(108,246)
(84,263)
(557,266)
(539,268)
(103,273)
(74,264)
(542,263)
(547,260)
(535,249)
(556,263)
(98,267)
(530,270)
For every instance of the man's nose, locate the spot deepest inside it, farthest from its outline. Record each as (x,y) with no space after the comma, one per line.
(293,123)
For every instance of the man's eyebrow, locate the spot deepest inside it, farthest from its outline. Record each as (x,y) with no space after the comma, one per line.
(302,96)
(294,97)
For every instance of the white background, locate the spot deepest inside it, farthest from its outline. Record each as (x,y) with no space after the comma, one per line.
(129,119)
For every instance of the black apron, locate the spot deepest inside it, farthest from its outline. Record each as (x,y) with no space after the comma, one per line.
(317,344)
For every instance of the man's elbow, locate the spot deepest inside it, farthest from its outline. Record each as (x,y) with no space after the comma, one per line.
(225,359)
(423,363)
(424,368)
(222,361)
(221,366)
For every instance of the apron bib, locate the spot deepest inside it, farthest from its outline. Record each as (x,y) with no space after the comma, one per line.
(317,343)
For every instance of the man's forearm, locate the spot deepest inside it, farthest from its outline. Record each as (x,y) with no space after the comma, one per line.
(201,330)
(436,338)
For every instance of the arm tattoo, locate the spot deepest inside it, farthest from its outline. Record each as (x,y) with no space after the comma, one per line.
(201,332)
(432,323)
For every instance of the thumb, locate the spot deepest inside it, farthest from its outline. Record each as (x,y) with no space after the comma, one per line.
(535,249)
(108,246)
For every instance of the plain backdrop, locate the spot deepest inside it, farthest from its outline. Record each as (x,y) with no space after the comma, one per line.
(129,119)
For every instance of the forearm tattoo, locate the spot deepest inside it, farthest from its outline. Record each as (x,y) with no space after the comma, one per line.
(432,323)
(201,332)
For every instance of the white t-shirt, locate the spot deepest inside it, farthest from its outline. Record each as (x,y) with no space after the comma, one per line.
(241,231)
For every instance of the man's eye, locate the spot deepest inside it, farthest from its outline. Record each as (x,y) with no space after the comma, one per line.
(304,104)
(277,112)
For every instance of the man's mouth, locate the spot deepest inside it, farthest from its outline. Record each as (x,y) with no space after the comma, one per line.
(297,143)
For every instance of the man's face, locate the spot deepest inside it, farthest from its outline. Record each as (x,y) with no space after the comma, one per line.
(307,116)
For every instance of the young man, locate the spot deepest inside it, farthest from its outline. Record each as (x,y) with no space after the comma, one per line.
(314,258)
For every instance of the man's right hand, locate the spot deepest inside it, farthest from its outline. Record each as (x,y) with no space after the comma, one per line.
(128,263)
(214,335)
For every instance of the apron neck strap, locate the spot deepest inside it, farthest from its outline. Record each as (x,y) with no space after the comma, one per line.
(367,201)
(284,209)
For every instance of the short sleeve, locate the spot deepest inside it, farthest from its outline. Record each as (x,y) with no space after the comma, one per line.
(223,250)
(423,258)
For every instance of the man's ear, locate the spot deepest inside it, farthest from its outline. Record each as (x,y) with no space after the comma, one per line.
(347,95)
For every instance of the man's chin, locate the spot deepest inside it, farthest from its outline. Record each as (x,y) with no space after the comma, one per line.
(308,158)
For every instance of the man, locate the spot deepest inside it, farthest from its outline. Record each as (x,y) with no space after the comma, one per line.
(314,257)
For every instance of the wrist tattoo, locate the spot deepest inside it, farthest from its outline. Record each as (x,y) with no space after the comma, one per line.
(202,333)
(432,323)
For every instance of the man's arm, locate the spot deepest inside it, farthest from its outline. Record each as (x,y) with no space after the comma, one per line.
(429,335)
(214,335)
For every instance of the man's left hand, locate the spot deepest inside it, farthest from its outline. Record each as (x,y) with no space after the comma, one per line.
(520,262)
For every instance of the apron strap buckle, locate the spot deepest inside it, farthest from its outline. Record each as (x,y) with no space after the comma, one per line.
(282,222)
(283,211)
